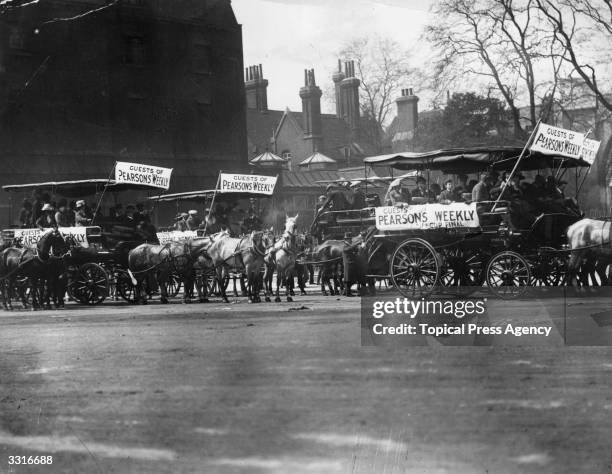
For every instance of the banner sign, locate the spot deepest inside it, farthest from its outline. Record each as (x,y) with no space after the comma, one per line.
(176,236)
(558,141)
(427,216)
(134,173)
(589,150)
(247,183)
(30,237)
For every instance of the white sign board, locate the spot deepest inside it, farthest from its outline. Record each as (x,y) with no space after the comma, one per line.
(176,236)
(247,183)
(589,150)
(30,237)
(557,141)
(134,173)
(427,216)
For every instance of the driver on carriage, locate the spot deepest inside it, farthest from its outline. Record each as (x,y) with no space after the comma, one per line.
(47,218)
(251,222)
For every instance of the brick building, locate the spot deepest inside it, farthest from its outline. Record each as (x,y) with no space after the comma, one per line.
(317,146)
(150,81)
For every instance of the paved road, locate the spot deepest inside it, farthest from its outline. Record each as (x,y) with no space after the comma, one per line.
(287,388)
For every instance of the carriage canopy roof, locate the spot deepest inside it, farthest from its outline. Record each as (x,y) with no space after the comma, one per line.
(470,160)
(204,195)
(78,188)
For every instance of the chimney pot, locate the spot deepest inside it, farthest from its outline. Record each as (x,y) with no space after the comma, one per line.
(410,91)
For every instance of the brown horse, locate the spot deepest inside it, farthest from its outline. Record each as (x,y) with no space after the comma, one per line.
(164,260)
(246,254)
(43,269)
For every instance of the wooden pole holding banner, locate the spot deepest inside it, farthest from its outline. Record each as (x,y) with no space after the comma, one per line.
(212,203)
(516,165)
(579,187)
(110,176)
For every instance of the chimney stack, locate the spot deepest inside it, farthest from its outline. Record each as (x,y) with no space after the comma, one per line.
(349,90)
(256,88)
(338,77)
(407,116)
(311,110)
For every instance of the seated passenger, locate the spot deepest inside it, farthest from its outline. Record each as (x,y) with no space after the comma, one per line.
(434,191)
(462,187)
(449,194)
(46,219)
(396,195)
(421,190)
(481,190)
(193,221)
(82,215)
(359,200)
(64,217)
(181,222)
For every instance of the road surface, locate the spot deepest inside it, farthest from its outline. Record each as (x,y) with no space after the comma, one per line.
(287,388)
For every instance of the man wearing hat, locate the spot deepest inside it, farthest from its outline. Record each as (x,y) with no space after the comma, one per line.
(421,189)
(193,220)
(334,199)
(82,217)
(396,195)
(47,218)
(359,199)
(181,222)
(481,190)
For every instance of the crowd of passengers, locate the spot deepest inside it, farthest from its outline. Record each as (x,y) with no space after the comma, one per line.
(44,213)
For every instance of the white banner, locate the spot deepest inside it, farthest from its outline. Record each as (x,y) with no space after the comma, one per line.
(176,236)
(247,183)
(558,141)
(427,216)
(134,173)
(589,150)
(30,237)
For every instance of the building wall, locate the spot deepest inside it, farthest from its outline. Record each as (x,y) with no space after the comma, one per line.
(292,139)
(135,82)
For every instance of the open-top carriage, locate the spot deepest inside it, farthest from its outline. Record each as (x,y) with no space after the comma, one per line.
(97,261)
(456,247)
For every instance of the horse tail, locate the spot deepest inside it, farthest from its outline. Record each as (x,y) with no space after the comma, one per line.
(132,277)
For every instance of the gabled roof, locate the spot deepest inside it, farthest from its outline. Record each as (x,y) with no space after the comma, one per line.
(317,158)
(261,126)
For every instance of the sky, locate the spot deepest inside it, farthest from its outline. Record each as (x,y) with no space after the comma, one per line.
(288,36)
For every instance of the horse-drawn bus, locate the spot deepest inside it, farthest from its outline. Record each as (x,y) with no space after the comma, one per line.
(510,241)
(96,259)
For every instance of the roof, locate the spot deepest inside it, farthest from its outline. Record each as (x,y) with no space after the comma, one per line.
(317,158)
(267,158)
(307,179)
(261,126)
(82,187)
(472,159)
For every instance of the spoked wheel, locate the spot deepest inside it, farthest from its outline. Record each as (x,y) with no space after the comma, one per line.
(90,284)
(173,285)
(124,286)
(508,275)
(207,282)
(414,268)
(549,270)
(462,270)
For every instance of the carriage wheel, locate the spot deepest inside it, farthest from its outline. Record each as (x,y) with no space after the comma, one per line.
(414,268)
(90,284)
(173,286)
(549,270)
(124,286)
(462,270)
(508,275)
(207,282)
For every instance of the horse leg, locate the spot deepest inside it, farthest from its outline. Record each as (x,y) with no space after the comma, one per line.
(267,281)
(289,290)
(221,274)
(280,274)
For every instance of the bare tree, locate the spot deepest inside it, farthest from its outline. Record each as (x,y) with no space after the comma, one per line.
(499,42)
(592,16)
(383,67)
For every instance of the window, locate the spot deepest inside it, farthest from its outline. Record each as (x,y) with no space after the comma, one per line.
(287,155)
(135,51)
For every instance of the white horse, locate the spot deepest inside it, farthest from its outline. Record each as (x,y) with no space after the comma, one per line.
(590,242)
(281,258)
